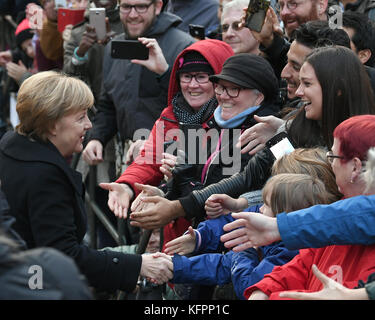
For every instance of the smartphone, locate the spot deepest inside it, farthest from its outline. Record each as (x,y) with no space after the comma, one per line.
(60,4)
(280,145)
(197,31)
(128,49)
(256,13)
(97,20)
(68,16)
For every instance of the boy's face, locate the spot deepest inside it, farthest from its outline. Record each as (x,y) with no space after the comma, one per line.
(28,47)
(265,208)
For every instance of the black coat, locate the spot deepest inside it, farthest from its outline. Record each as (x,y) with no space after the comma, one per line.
(46,197)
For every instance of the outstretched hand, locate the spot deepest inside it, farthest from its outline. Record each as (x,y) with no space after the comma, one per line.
(138,204)
(118,198)
(157,267)
(220,204)
(332,290)
(255,138)
(161,212)
(182,245)
(250,229)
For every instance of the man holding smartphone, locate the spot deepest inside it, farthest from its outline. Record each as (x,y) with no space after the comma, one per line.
(83,55)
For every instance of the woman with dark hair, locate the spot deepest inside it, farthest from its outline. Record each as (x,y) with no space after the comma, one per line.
(344,93)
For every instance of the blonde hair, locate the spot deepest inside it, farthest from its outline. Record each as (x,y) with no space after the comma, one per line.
(313,162)
(369,174)
(46,97)
(294,191)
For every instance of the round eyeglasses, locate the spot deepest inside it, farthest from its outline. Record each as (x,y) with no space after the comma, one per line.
(199,77)
(232,92)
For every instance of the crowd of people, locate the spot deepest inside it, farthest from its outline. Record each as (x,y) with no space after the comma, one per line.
(245,159)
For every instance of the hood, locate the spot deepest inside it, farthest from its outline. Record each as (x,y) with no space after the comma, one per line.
(214,51)
(163,22)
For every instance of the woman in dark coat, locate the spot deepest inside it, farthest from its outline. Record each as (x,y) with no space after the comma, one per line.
(45,195)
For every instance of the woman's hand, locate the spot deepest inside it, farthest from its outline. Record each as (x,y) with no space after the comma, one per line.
(250,229)
(119,198)
(182,245)
(332,290)
(255,138)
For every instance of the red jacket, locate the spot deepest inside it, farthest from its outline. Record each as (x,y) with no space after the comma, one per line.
(346,264)
(145,168)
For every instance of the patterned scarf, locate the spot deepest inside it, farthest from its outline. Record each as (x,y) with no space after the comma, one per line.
(185,114)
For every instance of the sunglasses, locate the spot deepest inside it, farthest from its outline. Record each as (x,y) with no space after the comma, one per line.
(236,26)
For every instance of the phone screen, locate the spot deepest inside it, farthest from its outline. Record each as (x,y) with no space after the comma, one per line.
(129,49)
(256,13)
(281,148)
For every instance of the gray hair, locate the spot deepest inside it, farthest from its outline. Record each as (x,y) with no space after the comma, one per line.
(235,4)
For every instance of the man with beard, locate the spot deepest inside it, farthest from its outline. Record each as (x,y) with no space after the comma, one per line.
(293,13)
(134,92)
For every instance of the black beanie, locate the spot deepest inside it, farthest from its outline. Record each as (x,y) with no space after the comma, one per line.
(193,61)
(23,32)
(250,71)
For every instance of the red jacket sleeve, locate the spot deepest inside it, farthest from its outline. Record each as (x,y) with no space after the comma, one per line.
(292,275)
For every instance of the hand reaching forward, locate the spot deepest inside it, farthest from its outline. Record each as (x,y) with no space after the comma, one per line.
(147,191)
(332,290)
(158,215)
(255,138)
(250,229)
(220,204)
(182,245)
(119,198)
(157,267)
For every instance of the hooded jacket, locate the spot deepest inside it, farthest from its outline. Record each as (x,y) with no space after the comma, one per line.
(132,96)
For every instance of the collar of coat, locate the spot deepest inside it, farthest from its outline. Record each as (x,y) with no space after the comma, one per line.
(22,148)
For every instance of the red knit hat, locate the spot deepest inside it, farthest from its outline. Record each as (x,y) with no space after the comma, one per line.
(23,32)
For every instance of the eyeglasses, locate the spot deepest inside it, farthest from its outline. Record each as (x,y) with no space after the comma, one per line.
(200,77)
(330,157)
(236,25)
(232,92)
(140,8)
(290,5)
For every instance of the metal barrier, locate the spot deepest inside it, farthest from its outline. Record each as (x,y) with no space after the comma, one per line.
(95,215)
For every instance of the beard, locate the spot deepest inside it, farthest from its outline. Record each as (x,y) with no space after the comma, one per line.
(312,16)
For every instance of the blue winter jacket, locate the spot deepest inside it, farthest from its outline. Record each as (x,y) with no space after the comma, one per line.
(348,221)
(243,269)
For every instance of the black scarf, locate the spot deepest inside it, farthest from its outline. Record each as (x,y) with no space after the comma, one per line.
(185,114)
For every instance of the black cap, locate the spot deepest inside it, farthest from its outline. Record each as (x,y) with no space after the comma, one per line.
(250,71)
(193,61)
